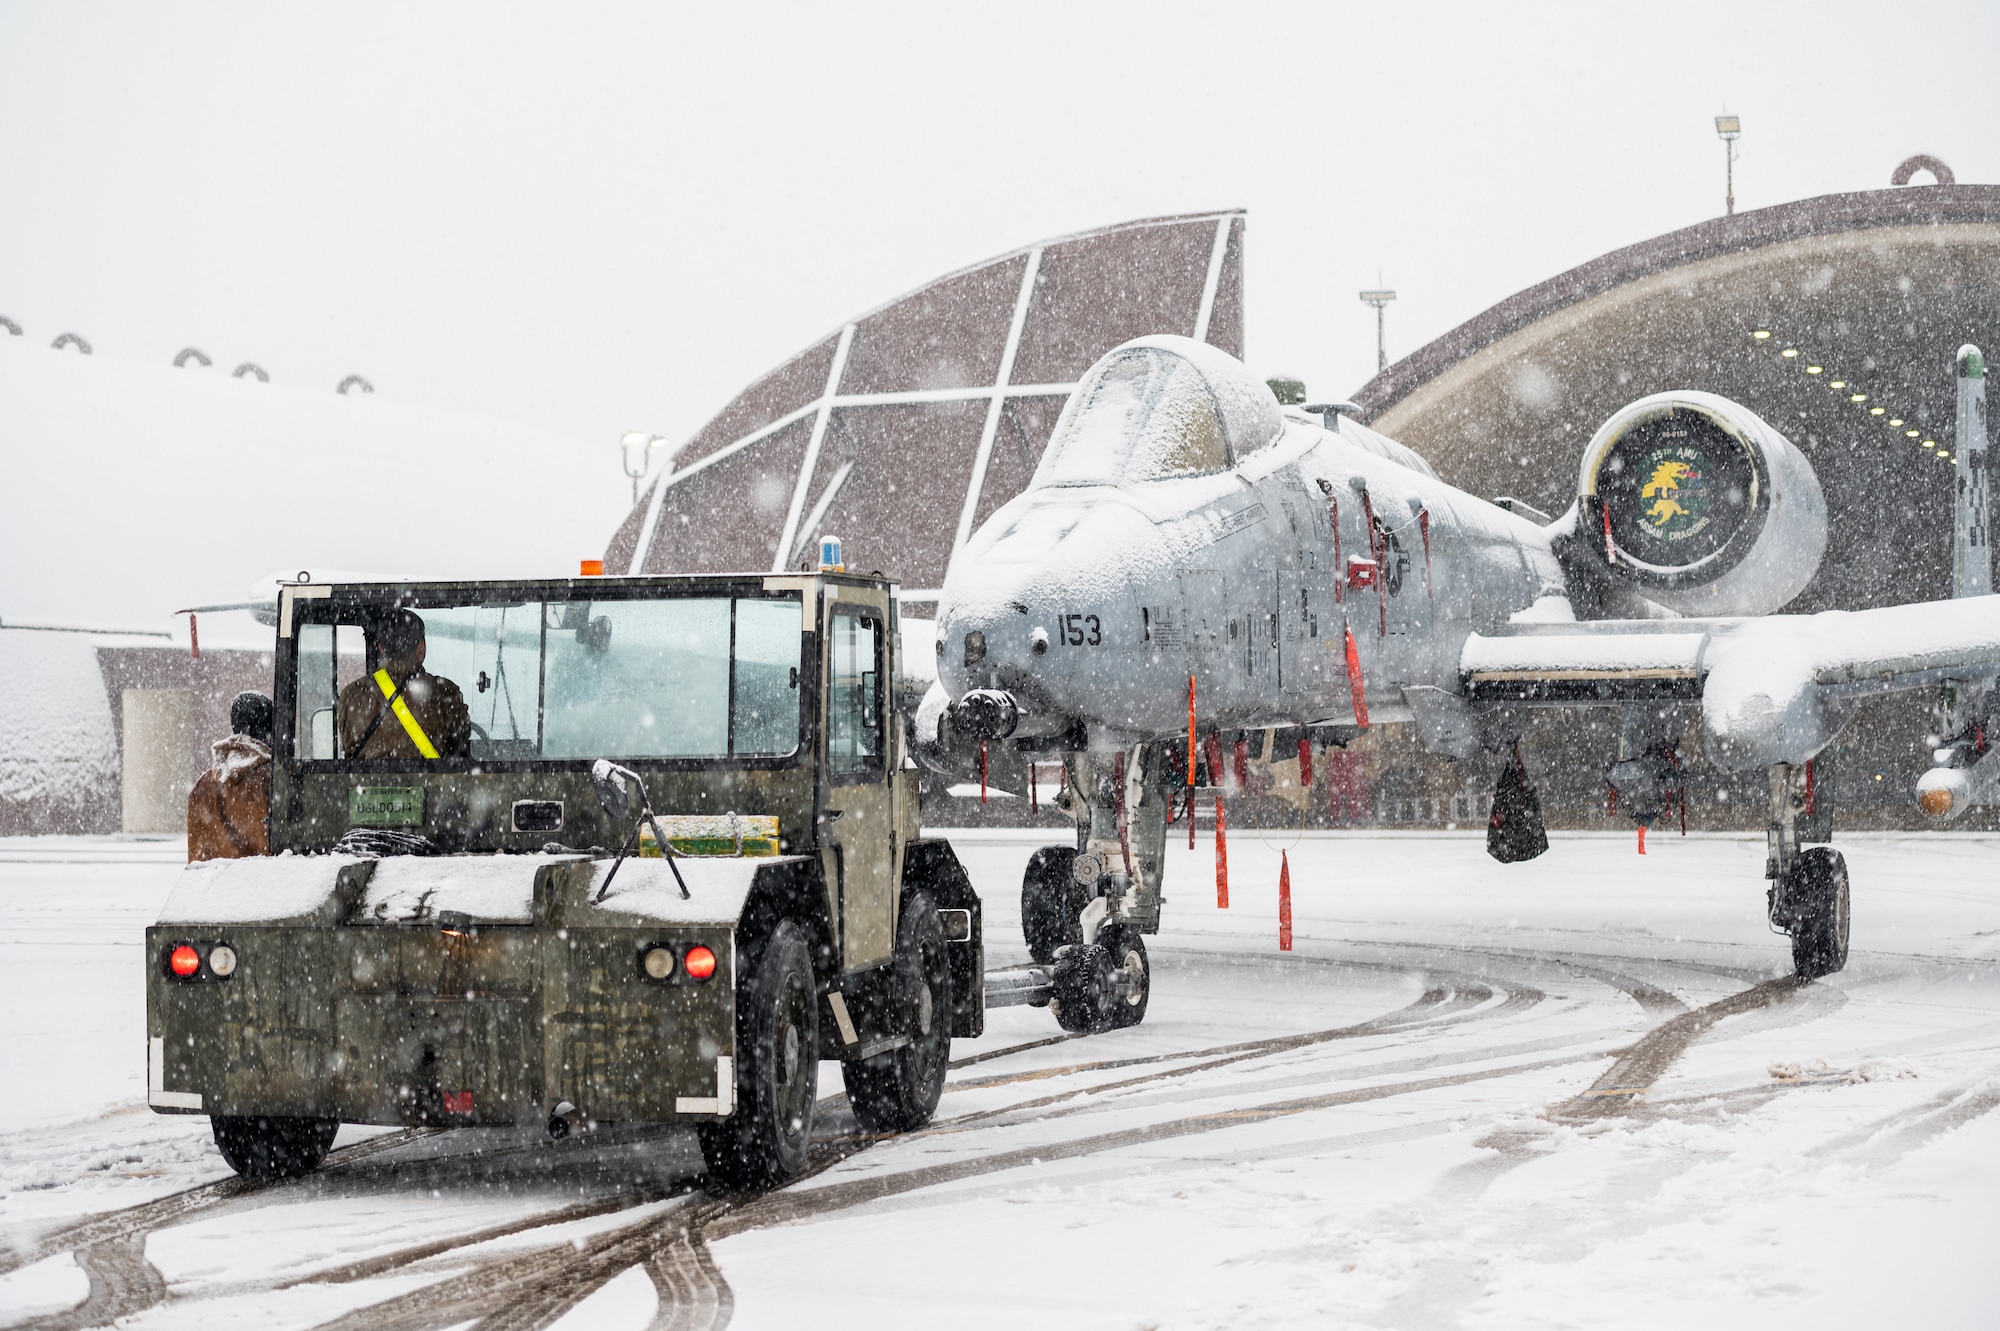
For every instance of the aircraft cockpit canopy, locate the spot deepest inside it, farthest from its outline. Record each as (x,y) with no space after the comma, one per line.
(1154,409)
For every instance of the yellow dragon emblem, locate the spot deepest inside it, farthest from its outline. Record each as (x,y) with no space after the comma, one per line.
(1665,480)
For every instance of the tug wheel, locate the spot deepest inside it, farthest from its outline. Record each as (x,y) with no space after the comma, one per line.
(1819,903)
(1082,992)
(1131,974)
(899,1090)
(763,1143)
(263,1146)
(1047,890)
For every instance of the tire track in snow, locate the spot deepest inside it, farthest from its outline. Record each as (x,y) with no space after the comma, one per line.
(176,1207)
(122,1282)
(523,1292)
(1646,1062)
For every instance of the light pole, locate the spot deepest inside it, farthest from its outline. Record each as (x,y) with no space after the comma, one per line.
(641,444)
(1380,300)
(1727,128)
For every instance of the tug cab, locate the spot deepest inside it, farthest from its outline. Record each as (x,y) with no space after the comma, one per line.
(676,865)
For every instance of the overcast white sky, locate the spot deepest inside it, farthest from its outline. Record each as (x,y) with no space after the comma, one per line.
(603,217)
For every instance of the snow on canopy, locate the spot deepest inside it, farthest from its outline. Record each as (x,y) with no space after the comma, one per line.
(1157,407)
(134,490)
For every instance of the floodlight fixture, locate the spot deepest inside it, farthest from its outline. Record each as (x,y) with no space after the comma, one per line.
(638,449)
(1727,128)
(1380,299)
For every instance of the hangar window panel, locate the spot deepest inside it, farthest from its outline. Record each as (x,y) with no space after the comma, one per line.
(899,508)
(792,385)
(1095,292)
(726,518)
(1225,319)
(949,334)
(1025,426)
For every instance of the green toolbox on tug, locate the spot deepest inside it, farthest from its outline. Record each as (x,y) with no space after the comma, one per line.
(665,859)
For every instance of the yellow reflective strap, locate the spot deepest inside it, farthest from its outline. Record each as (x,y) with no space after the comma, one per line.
(403,714)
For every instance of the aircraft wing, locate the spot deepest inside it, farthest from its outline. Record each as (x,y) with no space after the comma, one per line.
(1769,687)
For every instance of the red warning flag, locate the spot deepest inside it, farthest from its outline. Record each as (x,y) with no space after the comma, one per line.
(1354,682)
(1221,856)
(1284,902)
(1305,764)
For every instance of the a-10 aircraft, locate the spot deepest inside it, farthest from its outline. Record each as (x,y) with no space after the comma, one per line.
(1192,559)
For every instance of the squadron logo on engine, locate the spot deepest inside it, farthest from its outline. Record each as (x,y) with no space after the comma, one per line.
(1673,497)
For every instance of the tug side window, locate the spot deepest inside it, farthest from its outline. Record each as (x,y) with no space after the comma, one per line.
(854,698)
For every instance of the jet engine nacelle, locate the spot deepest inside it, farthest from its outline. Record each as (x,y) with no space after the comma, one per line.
(1696,503)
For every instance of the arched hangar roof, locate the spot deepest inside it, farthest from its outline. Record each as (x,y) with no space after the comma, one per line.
(903,429)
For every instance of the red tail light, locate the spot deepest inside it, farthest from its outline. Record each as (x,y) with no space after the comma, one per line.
(184,961)
(699,963)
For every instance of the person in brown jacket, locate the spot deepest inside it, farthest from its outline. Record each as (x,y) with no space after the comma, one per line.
(402,710)
(229,804)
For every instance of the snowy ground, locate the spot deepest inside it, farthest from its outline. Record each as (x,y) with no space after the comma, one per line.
(1394,1125)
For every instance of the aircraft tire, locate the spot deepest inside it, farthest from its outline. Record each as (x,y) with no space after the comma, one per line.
(898,1091)
(1819,897)
(1083,992)
(763,1143)
(263,1146)
(1047,889)
(1130,966)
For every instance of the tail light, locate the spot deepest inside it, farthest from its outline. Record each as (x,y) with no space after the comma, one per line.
(699,962)
(199,961)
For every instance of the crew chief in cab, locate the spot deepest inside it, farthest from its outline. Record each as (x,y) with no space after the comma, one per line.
(402,710)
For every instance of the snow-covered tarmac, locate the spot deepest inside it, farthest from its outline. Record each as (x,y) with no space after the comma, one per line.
(1394,1125)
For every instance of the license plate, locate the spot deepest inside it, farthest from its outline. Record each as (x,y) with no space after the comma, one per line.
(385,806)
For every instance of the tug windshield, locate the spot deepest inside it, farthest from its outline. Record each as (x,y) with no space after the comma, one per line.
(681,677)
(1145,415)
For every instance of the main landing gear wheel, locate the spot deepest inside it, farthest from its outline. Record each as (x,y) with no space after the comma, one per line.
(1048,893)
(1819,913)
(260,1146)
(898,1091)
(1131,974)
(777,1071)
(1083,988)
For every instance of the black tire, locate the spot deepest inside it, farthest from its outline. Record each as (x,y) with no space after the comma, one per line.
(262,1146)
(898,1091)
(1082,994)
(1819,902)
(763,1143)
(1048,890)
(1131,973)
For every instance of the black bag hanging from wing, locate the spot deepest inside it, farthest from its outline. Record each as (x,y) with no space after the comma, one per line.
(1514,832)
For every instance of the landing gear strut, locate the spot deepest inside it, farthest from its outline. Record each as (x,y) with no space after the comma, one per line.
(1808,893)
(1084,909)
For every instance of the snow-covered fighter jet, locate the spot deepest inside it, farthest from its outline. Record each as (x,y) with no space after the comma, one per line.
(1192,558)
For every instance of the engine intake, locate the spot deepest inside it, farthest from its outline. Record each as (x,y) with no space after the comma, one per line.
(1701,506)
